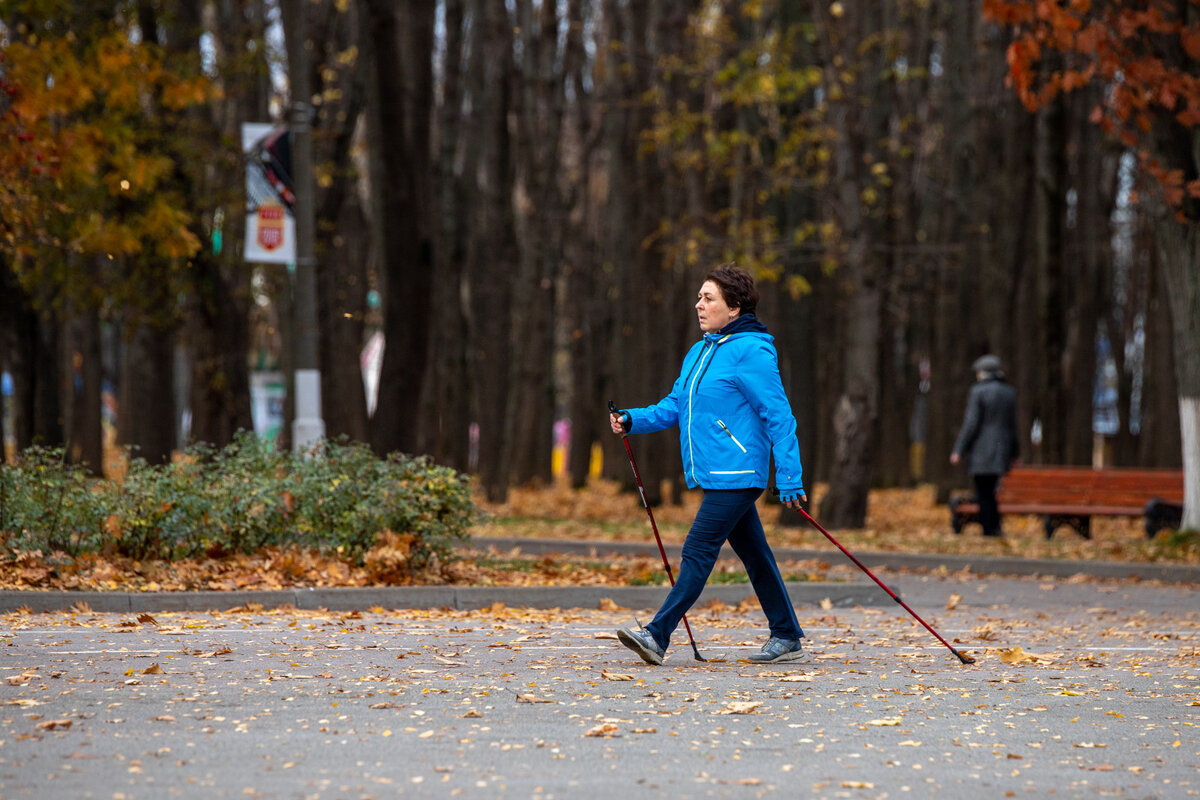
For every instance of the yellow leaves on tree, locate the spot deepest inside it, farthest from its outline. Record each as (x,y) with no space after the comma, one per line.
(91,151)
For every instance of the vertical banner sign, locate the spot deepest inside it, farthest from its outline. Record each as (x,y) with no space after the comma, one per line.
(270,226)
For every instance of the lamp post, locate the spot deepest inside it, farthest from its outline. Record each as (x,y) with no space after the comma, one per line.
(308,427)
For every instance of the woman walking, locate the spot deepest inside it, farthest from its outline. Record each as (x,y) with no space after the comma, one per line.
(732,414)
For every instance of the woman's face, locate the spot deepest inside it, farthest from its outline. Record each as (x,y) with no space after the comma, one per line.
(711,308)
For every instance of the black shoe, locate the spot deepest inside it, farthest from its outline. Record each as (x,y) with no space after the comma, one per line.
(779,650)
(642,642)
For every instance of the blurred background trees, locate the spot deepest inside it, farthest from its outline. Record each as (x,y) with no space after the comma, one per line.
(519,201)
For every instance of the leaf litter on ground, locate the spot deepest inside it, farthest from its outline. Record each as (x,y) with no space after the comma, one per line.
(898,520)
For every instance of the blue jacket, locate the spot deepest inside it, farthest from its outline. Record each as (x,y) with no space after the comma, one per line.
(731,411)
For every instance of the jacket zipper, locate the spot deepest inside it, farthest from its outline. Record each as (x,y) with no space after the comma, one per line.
(711,347)
(731,436)
(708,347)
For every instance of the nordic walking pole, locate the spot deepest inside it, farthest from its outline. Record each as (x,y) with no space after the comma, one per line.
(964,659)
(612,407)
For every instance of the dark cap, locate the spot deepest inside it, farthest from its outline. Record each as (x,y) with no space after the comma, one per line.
(988,363)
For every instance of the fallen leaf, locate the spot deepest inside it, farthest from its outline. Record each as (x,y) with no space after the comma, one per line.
(605,729)
(146,619)
(857,785)
(887,722)
(604,635)
(1090,745)
(1017,655)
(608,604)
(53,724)
(826,604)
(740,707)
(528,698)
(615,676)
(153,669)
(953,602)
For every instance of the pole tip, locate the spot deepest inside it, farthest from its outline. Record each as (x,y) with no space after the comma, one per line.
(964,658)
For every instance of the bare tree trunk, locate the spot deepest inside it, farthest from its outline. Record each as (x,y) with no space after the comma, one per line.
(402,41)
(146,407)
(492,254)
(217,333)
(216,327)
(1051,204)
(845,505)
(343,238)
(341,307)
(32,358)
(584,278)
(538,115)
(1160,425)
(858,119)
(82,356)
(1179,245)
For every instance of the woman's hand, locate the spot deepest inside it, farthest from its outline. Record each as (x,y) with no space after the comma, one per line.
(617,422)
(794,500)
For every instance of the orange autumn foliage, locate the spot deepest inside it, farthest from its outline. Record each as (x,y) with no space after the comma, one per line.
(1141,51)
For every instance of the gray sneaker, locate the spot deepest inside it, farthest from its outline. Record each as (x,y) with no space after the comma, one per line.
(642,642)
(779,650)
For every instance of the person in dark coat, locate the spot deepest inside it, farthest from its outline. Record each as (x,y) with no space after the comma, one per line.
(988,437)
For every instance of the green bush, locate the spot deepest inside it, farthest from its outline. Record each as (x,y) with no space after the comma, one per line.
(47,504)
(238,499)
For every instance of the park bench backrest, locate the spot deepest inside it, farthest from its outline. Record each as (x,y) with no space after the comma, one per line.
(1084,486)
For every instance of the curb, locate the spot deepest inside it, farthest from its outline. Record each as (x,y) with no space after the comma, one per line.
(1049,567)
(425,597)
(803,594)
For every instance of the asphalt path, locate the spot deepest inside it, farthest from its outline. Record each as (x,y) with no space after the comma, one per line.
(1082,688)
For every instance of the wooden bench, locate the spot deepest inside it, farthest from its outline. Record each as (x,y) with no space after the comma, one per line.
(1073,495)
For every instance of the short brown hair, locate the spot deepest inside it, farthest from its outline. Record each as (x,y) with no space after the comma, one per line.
(736,285)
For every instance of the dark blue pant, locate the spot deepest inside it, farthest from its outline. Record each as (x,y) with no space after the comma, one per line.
(727,514)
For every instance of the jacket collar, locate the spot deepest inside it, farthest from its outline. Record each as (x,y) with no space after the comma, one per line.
(744,323)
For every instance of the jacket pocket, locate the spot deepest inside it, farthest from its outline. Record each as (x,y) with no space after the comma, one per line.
(731,436)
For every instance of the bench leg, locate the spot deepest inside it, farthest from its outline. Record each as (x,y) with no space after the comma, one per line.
(1161,515)
(959,519)
(1081,525)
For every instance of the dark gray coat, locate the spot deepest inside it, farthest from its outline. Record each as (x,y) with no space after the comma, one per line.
(988,438)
